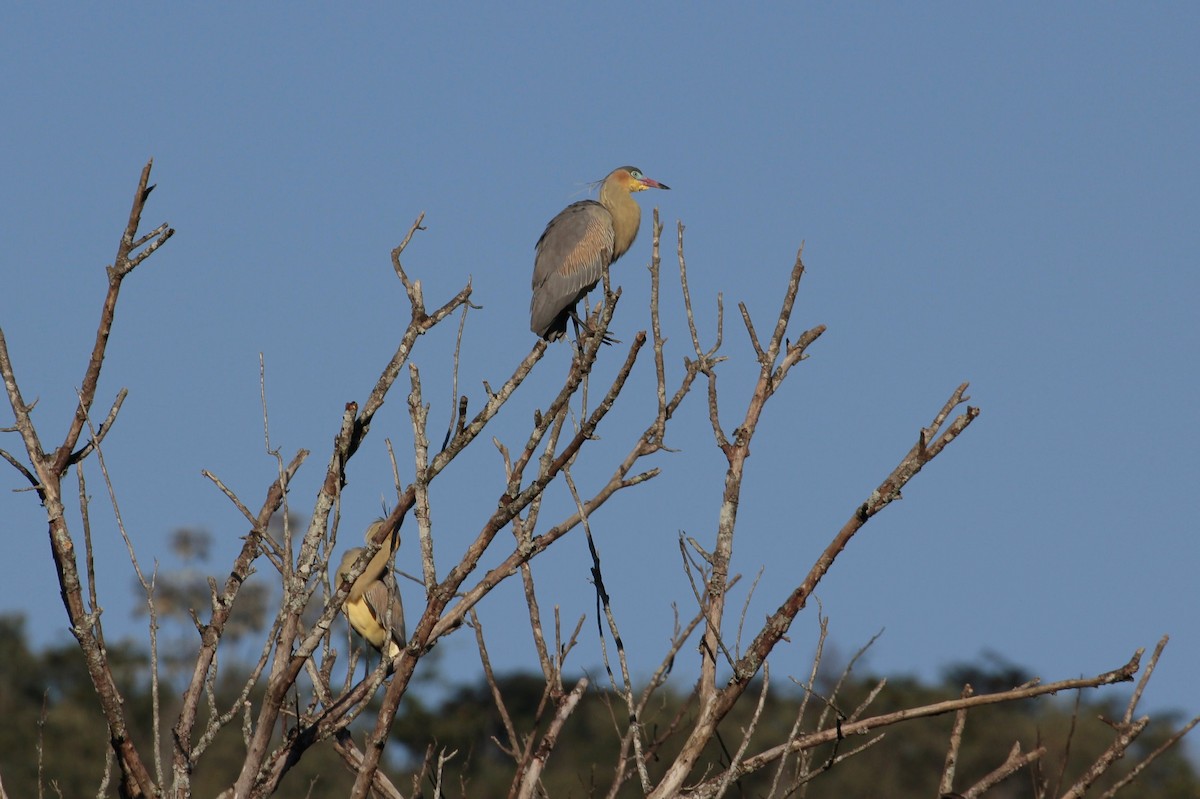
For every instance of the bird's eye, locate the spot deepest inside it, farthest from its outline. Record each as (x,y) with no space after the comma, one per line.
(635,173)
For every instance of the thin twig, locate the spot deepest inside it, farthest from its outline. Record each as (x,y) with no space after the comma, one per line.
(747,732)
(960,722)
(534,772)
(604,609)
(1150,758)
(457,411)
(753,763)
(490,679)
(419,414)
(809,689)
(1011,765)
(1126,733)
(1145,679)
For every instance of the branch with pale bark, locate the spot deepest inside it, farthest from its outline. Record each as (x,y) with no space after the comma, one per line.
(45,470)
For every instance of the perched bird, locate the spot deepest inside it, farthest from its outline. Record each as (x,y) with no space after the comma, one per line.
(578,244)
(367,604)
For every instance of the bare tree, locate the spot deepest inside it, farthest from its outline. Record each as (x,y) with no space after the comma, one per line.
(300,705)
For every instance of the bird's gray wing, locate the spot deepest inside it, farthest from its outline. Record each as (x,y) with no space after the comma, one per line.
(570,260)
(376,596)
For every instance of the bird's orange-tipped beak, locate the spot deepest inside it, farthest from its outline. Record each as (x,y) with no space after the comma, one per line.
(651,183)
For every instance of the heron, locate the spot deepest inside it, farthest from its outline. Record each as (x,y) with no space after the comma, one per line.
(367,603)
(578,245)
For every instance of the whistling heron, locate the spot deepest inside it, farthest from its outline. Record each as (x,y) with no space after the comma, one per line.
(367,604)
(578,245)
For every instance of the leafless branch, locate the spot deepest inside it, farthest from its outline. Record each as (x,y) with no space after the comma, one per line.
(1123,674)
(458,406)
(960,721)
(419,414)
(729,776)
(533,773)
(1145,679)
(1136,771)
(490,677)
(1126,733)
(809,690)
(1011,765)
(49,469)
(350,752)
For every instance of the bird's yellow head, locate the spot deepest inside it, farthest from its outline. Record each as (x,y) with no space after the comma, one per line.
(343,569)
(631,179)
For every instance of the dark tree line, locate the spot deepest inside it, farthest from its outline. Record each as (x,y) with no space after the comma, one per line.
(49,715)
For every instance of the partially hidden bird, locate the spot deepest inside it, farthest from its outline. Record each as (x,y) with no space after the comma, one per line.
(578,245)
(367,604)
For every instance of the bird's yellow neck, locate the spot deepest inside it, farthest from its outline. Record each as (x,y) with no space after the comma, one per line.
(626,214)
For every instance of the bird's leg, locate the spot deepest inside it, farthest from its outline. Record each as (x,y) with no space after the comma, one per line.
(578,338)
(605,338)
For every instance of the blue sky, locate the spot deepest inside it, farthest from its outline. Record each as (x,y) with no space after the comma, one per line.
(1005,195)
